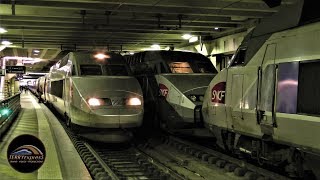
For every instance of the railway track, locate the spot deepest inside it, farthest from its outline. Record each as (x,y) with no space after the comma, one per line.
(147,161)
(118,162)
(206,156)
(128,162)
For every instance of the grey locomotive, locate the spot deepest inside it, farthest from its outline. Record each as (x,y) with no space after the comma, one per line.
(95,93)
(173,83)
(265,105)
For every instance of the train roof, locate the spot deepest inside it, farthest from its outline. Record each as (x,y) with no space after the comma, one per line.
(169,55)
(295,15)
(89,57)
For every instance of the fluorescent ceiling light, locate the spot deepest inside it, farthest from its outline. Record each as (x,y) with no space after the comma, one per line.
(193,39)
(186,36)
(2,30)
(101,56)
(36,51)
(155,46)
(132,53)
(6,43)
(216,28)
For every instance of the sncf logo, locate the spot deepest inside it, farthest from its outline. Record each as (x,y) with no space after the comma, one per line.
(163,90)
(218,93)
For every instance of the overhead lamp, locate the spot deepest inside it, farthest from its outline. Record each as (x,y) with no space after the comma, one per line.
(155,46)
(216,28)
(131,53)
(2,30)
(101,56)
(193,39)
(36,51)
(6,43)
(186,36)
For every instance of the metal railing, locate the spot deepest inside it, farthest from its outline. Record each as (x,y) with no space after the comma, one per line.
(9,108)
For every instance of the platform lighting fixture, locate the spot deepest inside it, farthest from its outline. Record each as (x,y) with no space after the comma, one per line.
(155,46)
(186,36)
(131,53)
(216,28)
(6,43)
(36,51)
(2,30)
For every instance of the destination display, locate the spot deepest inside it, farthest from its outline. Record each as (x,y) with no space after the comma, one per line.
(16,69)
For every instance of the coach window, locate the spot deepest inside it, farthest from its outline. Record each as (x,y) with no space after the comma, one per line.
(239,57)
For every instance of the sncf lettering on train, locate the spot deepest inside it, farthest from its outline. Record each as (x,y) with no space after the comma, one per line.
(218,93)
(163,90)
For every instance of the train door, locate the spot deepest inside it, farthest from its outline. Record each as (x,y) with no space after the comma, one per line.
(266,91)
(241,95)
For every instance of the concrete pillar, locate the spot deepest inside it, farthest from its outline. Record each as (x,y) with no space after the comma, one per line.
(2,80)
(16,86)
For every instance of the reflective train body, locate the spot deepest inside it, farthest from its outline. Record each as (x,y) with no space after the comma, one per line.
(173,84)
(95,95)
(266,103)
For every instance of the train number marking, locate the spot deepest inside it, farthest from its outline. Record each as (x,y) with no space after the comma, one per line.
(218,93)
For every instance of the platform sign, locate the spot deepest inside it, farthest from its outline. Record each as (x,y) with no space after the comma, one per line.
(16,69)
(2,72)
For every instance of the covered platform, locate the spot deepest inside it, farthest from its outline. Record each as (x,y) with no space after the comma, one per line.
(62,160)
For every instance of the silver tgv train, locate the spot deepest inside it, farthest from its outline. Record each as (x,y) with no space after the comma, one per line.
(265,105)
(94,92)
(173,83)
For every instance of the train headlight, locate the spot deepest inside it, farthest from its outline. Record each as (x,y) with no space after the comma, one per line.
(134,102)
(94,102)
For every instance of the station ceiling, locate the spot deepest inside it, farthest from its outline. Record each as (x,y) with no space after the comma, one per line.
(119,25)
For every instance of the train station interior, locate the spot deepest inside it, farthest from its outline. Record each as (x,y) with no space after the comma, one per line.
(159,89)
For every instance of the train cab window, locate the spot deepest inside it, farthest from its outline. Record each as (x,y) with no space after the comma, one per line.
(90,70)
(239,58)
(116,70)
(64,61)
(180,67)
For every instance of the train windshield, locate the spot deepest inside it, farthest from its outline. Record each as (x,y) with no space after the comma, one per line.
(116,70)
(90,70)
(180,67)
(187,62)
